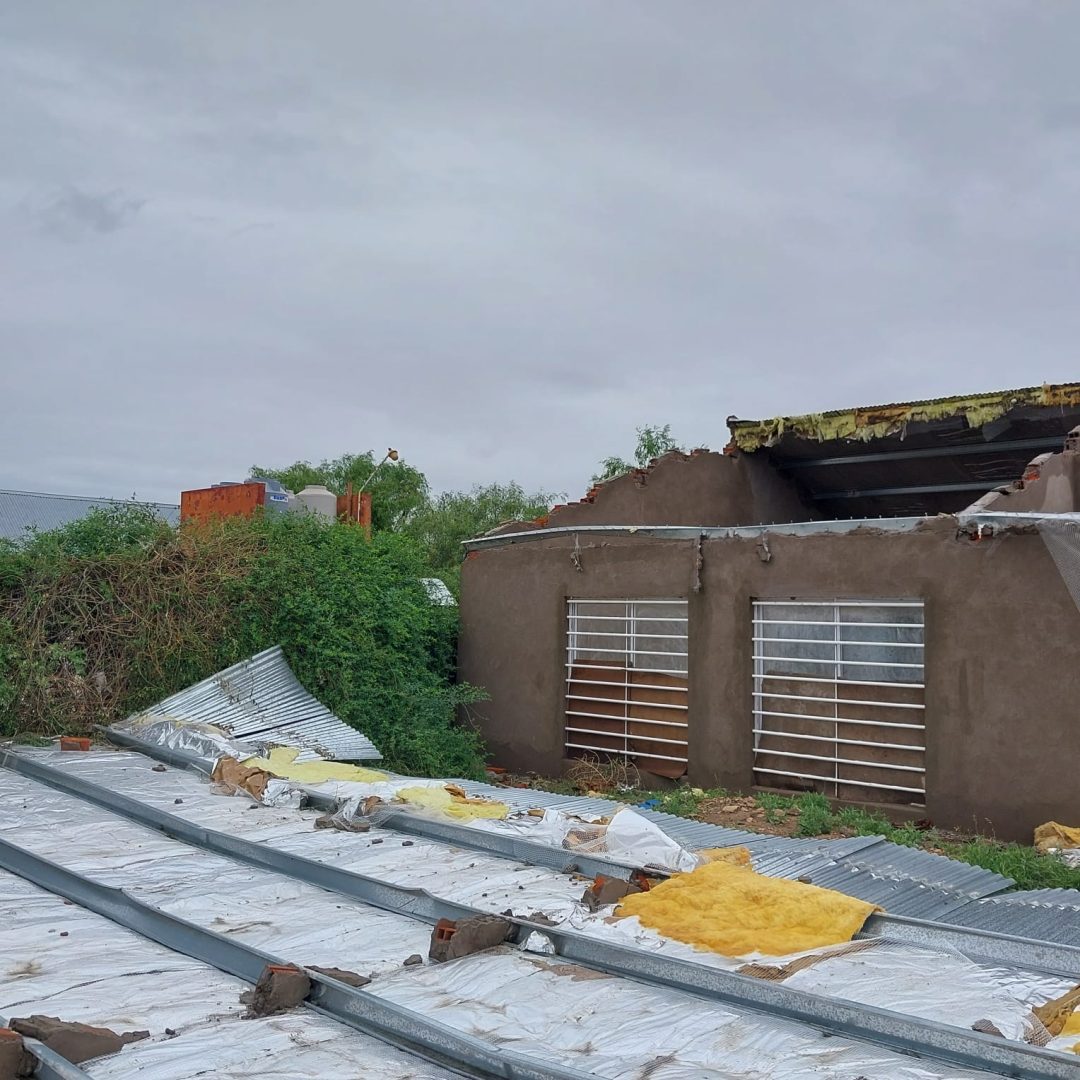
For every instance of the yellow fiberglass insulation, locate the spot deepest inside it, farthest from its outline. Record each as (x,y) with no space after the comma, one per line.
(451,804)
(732,910)
(282,762)
(738,855)
(451,801)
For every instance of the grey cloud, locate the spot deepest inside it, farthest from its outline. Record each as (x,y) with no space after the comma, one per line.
(73,213)
(505,235)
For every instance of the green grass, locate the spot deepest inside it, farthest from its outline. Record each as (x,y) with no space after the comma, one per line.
(775,806)
(1028,868)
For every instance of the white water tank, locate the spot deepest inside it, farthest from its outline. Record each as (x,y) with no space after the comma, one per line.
(317,499)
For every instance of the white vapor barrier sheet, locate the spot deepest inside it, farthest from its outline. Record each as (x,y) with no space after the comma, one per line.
(941,986)
(617,1028)
(101,974)
(535,1005)
(628,837)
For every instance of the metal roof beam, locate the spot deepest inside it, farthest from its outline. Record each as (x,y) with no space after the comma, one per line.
(930,1040)
(1046,442)
(917,489)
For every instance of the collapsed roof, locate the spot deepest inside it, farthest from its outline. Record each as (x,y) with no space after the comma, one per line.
(912,458)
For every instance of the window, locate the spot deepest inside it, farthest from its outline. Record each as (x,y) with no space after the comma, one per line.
(626,682)
(838,698)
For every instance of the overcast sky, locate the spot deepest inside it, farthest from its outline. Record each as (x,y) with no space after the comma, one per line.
(501,235)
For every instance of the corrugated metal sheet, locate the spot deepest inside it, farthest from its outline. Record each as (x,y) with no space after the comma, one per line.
(23,510)
(902,880)
(262,698)
(1069,898)
(1055,918)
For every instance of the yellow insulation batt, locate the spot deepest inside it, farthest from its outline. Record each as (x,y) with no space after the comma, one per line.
(738,855)
(452,802)
(282,762)
(448,800)
(730,909)
(1055,837)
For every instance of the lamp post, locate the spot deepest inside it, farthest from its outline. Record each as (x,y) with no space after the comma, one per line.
(391,455)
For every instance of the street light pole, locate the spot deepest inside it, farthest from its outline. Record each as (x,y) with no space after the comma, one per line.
(391,455)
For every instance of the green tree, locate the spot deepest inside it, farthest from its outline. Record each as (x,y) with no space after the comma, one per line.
(652,442)
(398,491)
(459,515)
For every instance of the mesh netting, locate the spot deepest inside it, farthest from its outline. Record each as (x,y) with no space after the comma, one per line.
(1062,539)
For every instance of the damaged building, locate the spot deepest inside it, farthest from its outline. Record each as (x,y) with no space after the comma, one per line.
(880,604)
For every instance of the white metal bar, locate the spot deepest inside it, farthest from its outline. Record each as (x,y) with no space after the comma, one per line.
(634,685)
(630,720)
(626,753)
(621,735)
(646,652)
(655,618)
(841,603)
(842,720)
(834,641)
(610,633)
(816,622)
(846,783)
(843,701)
(808,660)
(585,684)
(831,682)
(837,761)
(649,671)
(632,600)
(622,701)
(834,739)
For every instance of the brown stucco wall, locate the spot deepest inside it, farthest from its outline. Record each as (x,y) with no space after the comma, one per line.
(702,488)
(1002,679)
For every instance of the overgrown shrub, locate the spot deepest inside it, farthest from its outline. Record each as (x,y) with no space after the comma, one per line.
(117,611)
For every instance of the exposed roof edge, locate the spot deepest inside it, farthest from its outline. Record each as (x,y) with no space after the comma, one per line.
(1017,518)
(705,532)
(864,423)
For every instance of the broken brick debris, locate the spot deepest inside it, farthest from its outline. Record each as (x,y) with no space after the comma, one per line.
(452,939)
(280,987)
(350,978)
(74,742)
(71,1040)
(336,821)
(15,1060)
(607,890)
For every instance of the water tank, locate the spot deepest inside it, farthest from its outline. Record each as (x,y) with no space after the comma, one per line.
(319,500)
(277,496)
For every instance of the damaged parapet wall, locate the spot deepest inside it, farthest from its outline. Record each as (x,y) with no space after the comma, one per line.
(700,488)
(1001,677)
(1050,485)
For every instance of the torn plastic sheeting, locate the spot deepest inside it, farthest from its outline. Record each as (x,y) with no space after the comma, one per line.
(204,740)
(732,910)
(626,838)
